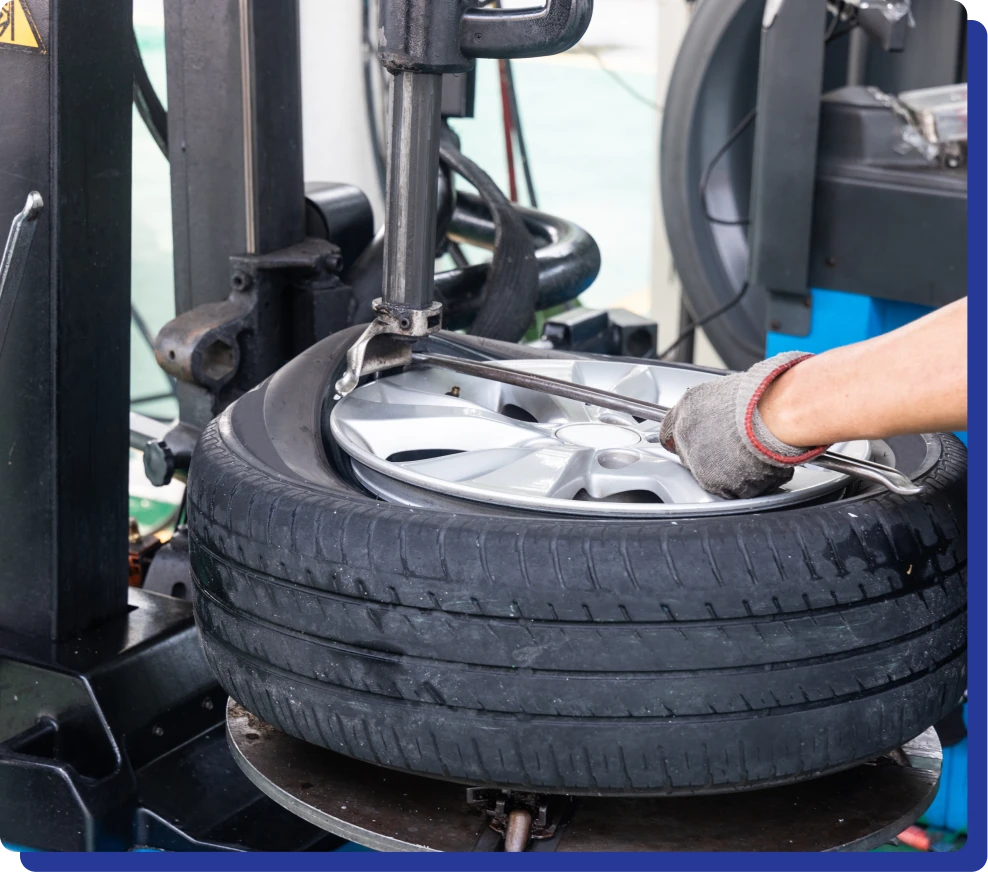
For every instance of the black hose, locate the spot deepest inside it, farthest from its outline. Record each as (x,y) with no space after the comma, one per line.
(567,257)
(148,105)
(512,287)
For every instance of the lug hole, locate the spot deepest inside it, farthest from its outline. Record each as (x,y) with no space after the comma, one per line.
(617,458)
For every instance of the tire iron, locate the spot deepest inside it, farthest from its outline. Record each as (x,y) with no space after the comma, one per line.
(866,470)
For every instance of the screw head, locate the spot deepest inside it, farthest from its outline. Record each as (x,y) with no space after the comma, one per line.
(207,704)
(242,281)
(157,732)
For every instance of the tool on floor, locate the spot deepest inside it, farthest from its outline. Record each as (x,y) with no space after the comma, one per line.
(419,43)
(15,256)
(868,470)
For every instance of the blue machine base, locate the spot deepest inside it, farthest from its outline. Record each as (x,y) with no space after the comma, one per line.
(949,809)
(840,318)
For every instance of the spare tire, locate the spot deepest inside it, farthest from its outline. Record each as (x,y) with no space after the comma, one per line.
(560,654)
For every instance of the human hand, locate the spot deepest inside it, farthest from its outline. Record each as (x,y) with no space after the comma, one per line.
(720,437)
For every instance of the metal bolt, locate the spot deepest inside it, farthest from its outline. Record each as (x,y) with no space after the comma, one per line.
(157,732)
(242,281)
(405,323)
(207,704)
(454,392)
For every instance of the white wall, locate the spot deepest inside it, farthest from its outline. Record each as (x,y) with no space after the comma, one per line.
(674,16)
(336,137)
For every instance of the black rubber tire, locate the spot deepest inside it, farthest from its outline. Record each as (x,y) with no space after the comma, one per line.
(713,86)
(562,654)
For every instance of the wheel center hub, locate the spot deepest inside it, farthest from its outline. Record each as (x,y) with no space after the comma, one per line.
(598,435)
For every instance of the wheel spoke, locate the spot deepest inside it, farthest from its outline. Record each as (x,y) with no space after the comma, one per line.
(628,381)
(387,429)
(546,408)
(542,471)
(664,477)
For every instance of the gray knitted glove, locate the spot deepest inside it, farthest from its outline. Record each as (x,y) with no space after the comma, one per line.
(720,437)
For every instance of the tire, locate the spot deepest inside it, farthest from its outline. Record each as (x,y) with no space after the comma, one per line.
(714,84)
(566,655)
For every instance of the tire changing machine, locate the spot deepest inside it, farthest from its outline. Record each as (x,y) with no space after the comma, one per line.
(113,733)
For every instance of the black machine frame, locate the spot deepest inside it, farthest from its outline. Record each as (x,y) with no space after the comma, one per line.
(109,716)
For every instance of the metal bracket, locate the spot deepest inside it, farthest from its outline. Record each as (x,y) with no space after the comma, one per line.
(390,333)
(519,817)
(285,301)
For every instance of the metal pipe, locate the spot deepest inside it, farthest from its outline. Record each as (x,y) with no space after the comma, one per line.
(413,164)
(517,831)
(144,429)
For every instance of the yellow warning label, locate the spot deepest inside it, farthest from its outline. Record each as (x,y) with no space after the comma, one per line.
(17,27)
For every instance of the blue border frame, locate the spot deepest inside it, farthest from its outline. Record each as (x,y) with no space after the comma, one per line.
(972,856)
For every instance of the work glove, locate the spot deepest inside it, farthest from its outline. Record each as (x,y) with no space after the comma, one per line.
(720,436)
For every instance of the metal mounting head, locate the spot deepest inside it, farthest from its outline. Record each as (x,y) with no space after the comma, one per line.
(445,36)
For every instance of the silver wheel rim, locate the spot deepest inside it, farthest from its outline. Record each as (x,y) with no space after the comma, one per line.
(432,431)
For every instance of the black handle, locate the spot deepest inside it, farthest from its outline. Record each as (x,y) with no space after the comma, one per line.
(524,33)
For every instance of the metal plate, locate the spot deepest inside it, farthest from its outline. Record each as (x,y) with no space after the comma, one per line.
(857,809)
(479,440)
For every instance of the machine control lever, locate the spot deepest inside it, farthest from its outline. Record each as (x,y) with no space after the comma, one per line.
(15,257)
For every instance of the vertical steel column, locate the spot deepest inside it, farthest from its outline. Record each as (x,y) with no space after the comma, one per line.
(785,156)
(235,124)
(64,369)
(413,164)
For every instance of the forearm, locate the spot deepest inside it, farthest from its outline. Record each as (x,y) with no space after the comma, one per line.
(912,380)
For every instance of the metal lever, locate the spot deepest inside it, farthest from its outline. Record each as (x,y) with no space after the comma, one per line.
(868,470)
(15,258)
(523,33)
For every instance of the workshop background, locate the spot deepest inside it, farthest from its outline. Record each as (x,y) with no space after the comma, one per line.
(592,118)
